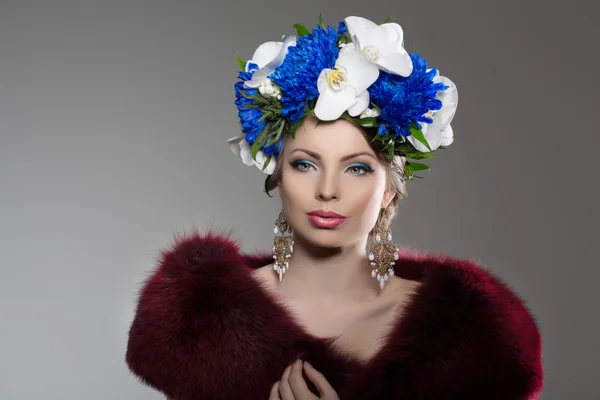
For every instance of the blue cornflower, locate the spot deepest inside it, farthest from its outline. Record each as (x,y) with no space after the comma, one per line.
(298,74)
(249,117)
(405,100)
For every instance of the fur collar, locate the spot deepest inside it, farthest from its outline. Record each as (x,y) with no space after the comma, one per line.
(204,329)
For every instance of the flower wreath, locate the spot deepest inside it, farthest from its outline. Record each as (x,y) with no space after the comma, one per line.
(360,72)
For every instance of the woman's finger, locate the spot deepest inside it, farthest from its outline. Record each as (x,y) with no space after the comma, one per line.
(274,395)
(285,391)
(297,382)
(324,388)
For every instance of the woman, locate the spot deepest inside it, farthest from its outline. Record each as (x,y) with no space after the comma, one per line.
(320,317)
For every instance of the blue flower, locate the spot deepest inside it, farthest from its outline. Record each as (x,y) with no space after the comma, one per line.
(298,74)
(249,117)
(273,149)
(406,100)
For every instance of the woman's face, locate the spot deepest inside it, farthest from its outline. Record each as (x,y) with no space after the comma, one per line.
(331,167)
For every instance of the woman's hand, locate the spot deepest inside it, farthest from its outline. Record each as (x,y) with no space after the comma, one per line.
(292,385)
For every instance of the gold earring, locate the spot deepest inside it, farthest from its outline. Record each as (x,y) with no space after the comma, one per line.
(283,245)
(383,253)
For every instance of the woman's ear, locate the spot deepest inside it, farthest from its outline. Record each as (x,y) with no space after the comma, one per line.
(388,196)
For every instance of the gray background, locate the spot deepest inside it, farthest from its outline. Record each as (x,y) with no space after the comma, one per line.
(114,117)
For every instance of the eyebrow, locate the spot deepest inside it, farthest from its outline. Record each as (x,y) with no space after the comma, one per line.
(349,156)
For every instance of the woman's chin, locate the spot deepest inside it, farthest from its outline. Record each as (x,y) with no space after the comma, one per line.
(324,238)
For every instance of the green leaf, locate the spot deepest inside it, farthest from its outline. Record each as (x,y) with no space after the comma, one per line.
(267,162)
(301,30)
(410,152)
(295,126)
(246,95)
(389,147)
(417,166)
(420,156)
(241,62)
(345,38)
(321,21)
(262,137)
(387,20)
(367,122)
(418,134)
(279,125)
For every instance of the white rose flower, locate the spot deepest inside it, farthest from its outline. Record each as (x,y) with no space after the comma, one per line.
(268,56)
(383,44)
(344,88)
(439,132)
(241,148)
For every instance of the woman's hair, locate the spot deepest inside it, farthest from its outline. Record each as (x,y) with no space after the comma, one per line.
(394,167)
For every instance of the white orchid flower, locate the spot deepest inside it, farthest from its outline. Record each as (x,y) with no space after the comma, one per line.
(268,56)
(344,88)
(241,148)
(439,132)
(383,44)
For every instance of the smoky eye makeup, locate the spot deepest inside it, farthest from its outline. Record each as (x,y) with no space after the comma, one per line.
(306,165)
(362,166)
(301,164)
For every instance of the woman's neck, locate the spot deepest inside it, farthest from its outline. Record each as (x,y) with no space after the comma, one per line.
(333,274)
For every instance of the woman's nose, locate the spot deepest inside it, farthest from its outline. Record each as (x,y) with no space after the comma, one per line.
(328,187)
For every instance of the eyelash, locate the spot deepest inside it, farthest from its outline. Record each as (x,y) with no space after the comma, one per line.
(363,167)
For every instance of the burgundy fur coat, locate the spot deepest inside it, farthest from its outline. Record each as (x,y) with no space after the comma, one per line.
(204,329)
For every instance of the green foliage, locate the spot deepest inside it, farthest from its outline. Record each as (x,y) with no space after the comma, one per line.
(301,30)
(241,62)
(388,20)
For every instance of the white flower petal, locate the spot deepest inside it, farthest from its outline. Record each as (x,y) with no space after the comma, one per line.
(359,27)
(433,137)
(261,158)
(234,144)
(394,32)
(331,104)
(276,60)
(387,40)
(447,136)
(265,53)
(362,102)
(449,99)
(376,38)
(360,70)
(398,63)
(246,153)
(322,83)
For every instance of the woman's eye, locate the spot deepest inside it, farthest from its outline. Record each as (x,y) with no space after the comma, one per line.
(355,169)
(360,169)
(301,165)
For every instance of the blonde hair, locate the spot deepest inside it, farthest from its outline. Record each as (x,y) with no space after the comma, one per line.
(394,167)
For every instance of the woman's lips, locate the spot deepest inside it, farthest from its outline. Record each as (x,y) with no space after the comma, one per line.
(327,223)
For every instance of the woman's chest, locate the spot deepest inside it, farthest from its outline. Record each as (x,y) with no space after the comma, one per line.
(359,331)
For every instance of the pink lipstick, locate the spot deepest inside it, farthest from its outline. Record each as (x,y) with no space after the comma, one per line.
(326,219)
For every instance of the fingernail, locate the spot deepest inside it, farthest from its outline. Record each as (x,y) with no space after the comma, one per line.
(308,365)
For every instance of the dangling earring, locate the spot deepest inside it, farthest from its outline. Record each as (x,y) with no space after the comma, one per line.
(383,253)
(283,245)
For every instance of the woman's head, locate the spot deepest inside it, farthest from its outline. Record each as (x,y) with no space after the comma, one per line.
(334,166)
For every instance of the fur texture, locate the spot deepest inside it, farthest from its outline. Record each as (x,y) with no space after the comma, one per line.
(204,329)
